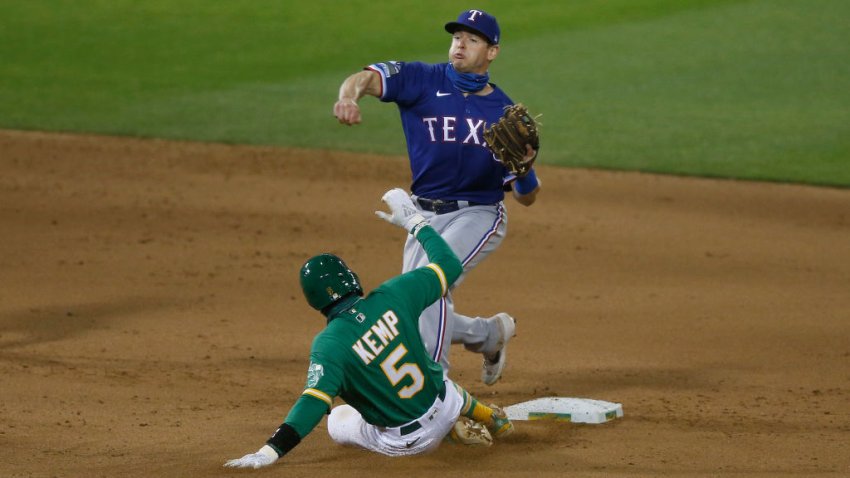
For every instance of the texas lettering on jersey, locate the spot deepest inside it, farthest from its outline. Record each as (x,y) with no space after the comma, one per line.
(446,128)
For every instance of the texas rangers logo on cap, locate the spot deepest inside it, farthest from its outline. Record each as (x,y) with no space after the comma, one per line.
(479,22)
(473,14)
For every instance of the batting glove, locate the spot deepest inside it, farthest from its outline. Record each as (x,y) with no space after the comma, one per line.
(402,211)
(265,456)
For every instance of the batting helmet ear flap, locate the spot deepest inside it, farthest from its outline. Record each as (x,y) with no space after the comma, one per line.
(325,280)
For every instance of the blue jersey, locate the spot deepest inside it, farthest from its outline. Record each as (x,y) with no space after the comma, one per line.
(445,132)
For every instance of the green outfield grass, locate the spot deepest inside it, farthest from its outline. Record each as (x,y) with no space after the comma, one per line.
(744,89)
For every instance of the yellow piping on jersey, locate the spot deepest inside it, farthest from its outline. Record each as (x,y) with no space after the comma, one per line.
(440,275)
(320,395)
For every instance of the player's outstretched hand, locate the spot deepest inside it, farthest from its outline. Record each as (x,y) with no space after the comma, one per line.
(402,211)
(265,456)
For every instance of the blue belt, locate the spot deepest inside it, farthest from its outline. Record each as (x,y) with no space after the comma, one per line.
(415,425)
(440,206)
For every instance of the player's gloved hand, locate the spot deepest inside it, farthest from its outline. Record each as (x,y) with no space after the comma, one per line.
(265,456)
(402,211)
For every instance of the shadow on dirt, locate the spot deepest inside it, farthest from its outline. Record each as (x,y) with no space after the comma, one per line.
(38,325)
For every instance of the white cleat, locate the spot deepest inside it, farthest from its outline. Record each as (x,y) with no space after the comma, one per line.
(494,364)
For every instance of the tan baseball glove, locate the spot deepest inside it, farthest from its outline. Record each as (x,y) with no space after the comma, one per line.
(508,137)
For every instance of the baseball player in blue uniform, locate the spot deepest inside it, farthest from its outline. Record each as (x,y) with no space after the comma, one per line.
(458,184)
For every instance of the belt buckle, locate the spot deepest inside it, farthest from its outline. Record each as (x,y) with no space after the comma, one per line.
(441,207)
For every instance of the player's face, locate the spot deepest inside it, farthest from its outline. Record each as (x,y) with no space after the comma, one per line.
(470,53)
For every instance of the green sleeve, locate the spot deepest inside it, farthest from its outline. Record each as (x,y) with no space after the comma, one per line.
(324,379)
(440,253)
(417,289)
(306,414)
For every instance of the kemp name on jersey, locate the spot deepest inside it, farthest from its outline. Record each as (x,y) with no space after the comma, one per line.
(384,330)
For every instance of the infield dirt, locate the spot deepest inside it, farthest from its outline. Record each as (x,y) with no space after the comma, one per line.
(151,322)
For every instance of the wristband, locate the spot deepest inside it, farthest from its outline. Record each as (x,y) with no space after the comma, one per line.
(418,227)
(284,439)
(527,183)
(414,223)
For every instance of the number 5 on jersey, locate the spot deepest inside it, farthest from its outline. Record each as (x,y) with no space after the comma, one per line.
(396,373)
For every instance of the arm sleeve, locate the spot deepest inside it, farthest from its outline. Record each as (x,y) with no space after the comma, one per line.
(440,255)
(302,419)
(306,414)
(401,82)
(324,378)
(419,288)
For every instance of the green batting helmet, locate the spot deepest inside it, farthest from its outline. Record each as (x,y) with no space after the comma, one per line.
(325,279)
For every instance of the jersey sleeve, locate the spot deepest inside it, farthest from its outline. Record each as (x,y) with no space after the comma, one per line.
(442,258)
(305,415)
(422,287)
(324,379)
(401,82)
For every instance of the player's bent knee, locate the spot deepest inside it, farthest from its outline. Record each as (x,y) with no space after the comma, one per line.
(344,425)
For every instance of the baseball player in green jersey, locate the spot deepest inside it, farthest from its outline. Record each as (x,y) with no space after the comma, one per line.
(398,401)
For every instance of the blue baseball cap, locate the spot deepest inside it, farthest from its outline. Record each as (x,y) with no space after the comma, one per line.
(479,22)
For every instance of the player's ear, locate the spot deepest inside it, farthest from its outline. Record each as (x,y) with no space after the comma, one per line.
(492,52)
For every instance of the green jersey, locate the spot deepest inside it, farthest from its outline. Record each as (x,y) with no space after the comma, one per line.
(371,353)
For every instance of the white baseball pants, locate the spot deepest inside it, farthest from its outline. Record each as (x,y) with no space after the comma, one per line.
(347,427)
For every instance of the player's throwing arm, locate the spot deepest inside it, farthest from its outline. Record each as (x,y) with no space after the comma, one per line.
(346,109)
